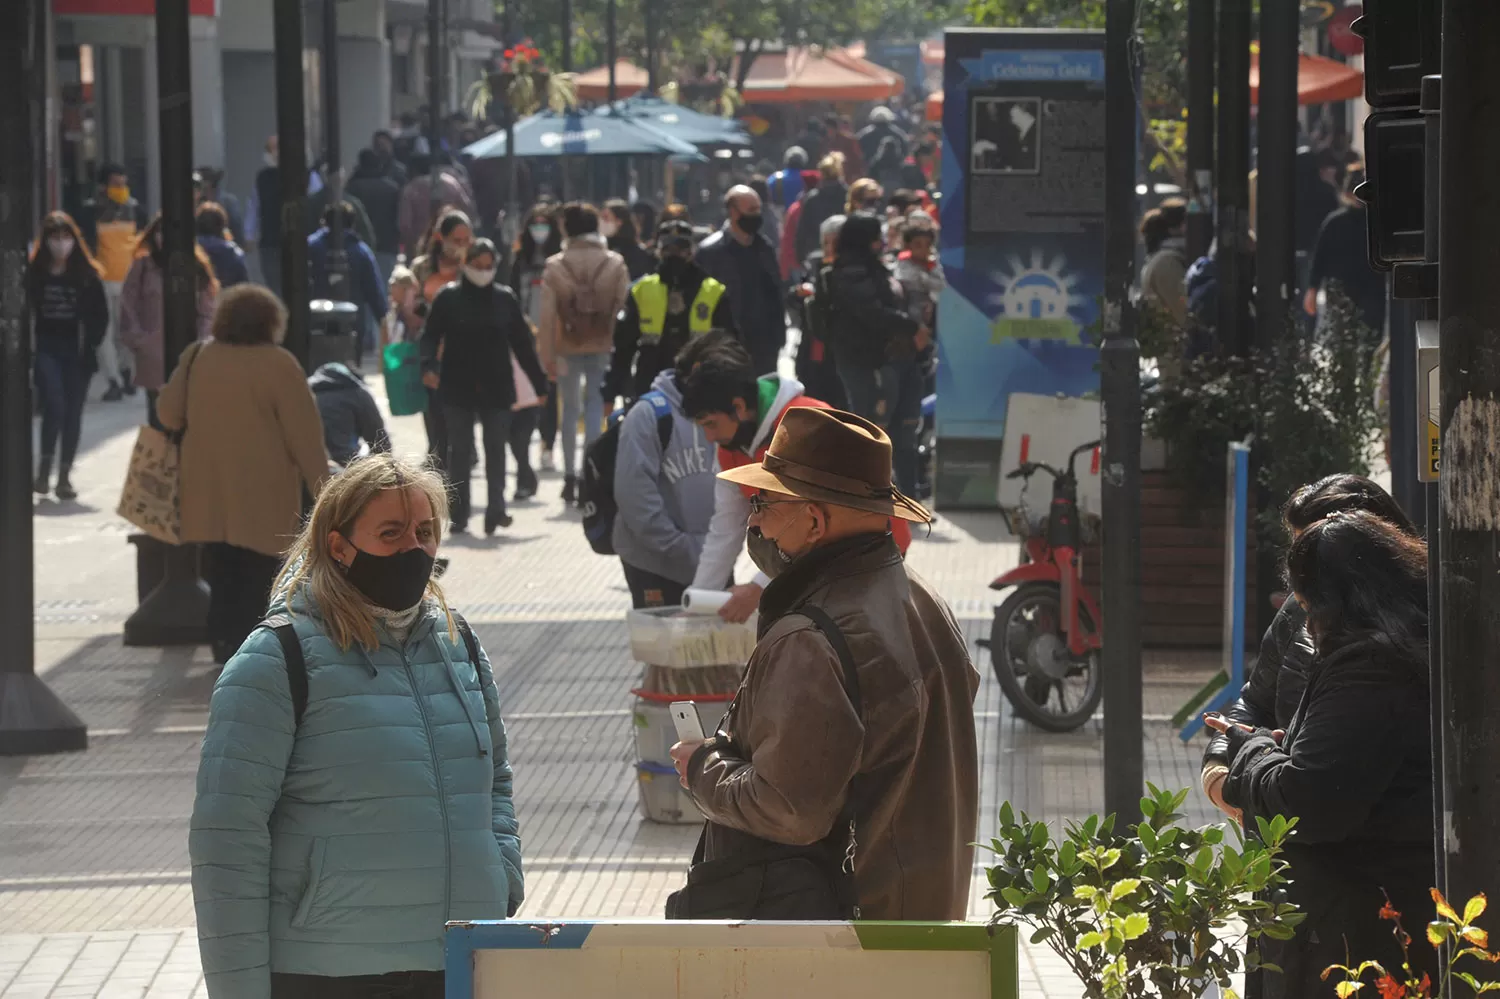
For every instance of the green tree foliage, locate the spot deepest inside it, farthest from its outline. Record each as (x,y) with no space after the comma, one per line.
(697,37)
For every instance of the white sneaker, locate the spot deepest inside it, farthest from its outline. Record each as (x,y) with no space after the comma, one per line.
(548,464)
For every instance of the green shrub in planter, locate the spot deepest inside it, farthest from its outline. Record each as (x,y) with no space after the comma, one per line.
(1160,913)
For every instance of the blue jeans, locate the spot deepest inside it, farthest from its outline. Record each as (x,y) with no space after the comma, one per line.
(891,398)
(62,383)
(583,381)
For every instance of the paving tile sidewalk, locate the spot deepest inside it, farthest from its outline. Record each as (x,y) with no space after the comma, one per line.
(94,882)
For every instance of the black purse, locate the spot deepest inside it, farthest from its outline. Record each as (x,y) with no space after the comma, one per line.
(769,880)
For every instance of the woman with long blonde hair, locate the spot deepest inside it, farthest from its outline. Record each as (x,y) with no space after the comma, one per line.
(354,792)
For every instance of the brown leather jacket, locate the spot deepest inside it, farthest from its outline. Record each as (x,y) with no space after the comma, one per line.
(914,746)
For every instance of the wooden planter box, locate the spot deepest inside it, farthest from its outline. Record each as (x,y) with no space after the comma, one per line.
(1182,566)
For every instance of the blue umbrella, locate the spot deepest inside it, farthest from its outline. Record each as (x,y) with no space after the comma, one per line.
(583,133)
(684,123)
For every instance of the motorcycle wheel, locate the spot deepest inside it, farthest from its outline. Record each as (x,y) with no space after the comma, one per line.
(1042,681)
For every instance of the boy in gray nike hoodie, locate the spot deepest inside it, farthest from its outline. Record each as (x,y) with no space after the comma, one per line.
(665,497)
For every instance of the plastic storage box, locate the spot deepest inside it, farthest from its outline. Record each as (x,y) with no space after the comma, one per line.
(662,797)
(666,636)
(656,733)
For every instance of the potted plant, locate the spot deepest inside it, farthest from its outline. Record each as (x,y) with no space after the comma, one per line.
(1161,912)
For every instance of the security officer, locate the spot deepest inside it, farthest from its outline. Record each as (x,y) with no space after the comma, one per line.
(664,311)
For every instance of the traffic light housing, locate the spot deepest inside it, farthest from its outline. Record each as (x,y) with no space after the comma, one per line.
(1394,188)
(1403,43)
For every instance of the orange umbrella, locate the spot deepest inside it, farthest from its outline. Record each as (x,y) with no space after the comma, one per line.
(594,85)
(803,74)
(1319,80)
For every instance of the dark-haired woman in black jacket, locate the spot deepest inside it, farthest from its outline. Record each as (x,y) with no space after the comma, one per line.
(1273,687)
(875,343)
(1354,766)
(473,328)
(70,315)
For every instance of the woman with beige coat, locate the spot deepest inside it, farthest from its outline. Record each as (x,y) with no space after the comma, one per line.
(251,441)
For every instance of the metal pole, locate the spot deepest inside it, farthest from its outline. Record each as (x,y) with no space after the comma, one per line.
(1469,309)
(1432,136)
(1120,389)
(436,17)
(338,261)
(1401,329)
(291,131)
(651,81)
(32,718)
(1275,245)
(1232,173)
(567,36)
(176,611)
(512,196)
(609,45)
(1200,150)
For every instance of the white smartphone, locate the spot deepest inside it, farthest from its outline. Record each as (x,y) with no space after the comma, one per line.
(689,725)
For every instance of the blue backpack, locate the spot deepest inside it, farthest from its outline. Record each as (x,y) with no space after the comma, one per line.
(596,493)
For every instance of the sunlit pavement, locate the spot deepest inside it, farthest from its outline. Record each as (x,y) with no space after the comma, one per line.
(94,880)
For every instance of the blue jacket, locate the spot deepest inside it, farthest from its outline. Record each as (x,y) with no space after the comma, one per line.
(341,846)
(228,260)
(366,289)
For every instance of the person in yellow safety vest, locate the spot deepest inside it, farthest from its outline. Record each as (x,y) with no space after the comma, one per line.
(663,312)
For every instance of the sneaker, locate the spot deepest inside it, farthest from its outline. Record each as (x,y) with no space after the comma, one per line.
(549,464)
(65,490)
(570,490)
(524,493)
(492,521)
(114,393)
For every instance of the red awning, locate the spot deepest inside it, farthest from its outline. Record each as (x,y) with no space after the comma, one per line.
(594,85)
(1319,80)
(803,74)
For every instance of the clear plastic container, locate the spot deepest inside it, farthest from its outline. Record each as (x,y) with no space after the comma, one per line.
(656,732)
(667,636)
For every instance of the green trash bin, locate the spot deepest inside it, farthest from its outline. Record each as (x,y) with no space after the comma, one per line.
(402,365)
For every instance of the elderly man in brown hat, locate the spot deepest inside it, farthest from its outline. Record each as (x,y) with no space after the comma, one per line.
(844,781)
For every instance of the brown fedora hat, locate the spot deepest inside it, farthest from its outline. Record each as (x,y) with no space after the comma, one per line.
(829,456)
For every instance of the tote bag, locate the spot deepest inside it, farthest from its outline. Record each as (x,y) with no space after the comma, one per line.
(402,366)
(151,497)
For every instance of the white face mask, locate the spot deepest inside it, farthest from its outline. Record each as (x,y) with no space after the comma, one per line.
(608,228)
(540,233)
(481,277)
(61,247)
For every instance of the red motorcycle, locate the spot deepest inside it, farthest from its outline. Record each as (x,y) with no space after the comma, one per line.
(1044,644)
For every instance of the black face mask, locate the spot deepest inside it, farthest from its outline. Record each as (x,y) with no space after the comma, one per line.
(750,224)
(744,436)
(394,582)
(766,554)
(673,268)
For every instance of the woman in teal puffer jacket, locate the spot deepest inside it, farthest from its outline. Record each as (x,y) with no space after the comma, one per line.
(329,849)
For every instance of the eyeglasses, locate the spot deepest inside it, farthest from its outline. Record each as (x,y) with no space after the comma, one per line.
(759,504)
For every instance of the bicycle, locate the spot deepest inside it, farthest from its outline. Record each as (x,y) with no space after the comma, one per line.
(1045,640)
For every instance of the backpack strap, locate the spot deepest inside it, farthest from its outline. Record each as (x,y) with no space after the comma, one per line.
(855,798)
(663,410)
(471,643)
(296,664)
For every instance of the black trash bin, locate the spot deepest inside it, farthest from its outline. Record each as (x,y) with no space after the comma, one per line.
(334,332)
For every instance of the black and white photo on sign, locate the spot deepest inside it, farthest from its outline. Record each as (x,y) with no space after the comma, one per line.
(1006,133)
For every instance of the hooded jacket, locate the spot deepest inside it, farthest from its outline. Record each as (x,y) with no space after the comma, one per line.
(583,258)
(665,495)
(349,412)
(339,846)
(912,743)
(726,532)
